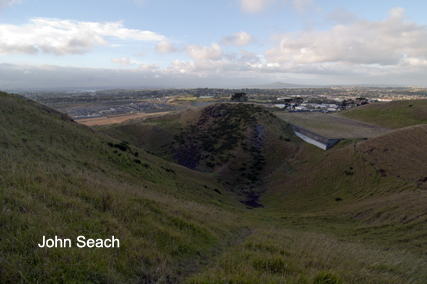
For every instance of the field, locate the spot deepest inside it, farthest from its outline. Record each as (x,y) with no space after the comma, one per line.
(117,119)
(332,125)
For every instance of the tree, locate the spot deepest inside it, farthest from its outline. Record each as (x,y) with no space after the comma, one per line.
(239,97)
(299,100)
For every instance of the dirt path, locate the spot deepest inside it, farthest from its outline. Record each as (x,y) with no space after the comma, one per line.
(332,125)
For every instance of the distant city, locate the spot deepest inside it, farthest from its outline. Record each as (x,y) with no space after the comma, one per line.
(96,103)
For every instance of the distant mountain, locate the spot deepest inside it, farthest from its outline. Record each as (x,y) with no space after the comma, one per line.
(280,85)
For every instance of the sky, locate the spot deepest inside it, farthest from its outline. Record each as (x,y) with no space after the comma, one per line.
(215,44)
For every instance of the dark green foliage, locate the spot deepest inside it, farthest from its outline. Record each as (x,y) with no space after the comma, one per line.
(229,127)
(326,278)
(123,146)
(239,97)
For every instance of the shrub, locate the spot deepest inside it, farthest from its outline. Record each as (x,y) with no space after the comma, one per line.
(325,277)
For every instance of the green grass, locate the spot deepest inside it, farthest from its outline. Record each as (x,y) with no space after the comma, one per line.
(213,137)
(176,225)
(75,184)
(393,115)
(273,255)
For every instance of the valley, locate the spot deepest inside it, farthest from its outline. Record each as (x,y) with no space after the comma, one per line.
(222,193)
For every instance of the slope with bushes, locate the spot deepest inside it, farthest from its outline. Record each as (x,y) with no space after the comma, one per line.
(241,143)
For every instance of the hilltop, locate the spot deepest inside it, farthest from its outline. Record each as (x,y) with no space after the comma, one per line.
(394,114)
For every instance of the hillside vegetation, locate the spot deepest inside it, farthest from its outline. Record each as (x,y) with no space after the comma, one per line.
(59,178)
(347,215)
(241,143)
(393,115)
(378,185)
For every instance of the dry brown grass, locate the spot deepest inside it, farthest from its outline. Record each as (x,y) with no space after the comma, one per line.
(117,119)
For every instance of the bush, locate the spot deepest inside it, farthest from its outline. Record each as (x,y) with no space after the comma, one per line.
(325,277)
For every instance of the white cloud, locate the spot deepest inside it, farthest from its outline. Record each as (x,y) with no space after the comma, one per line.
(238,39)
(302,5)
(197,73)
(340,16)
(214,52)
(62,37)
(5,3)
(385,42)
(141,53)
(249,57)
(148,67)
(122,61)
(165,47)
(254,6)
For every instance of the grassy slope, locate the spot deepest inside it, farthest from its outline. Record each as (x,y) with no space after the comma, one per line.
(377,186)
(241,143)
(60,178)
(348,215)
(393,115)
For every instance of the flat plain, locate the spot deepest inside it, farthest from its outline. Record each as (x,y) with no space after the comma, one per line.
(117,119)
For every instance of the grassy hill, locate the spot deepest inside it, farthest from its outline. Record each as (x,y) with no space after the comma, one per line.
(241,143)
(347,215)
(378,184)
(59,178)
(393,115)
